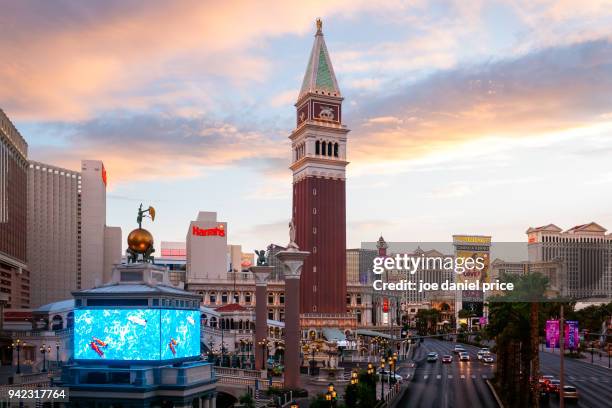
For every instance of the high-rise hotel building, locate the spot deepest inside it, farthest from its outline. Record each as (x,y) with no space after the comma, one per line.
(70,247)
(14,274)
(586,252)
(54,214)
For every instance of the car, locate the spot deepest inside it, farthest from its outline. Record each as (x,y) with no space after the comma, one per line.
(386,375)
(488,359)
(447,358)
(432,357)
(458,349)
(464,356)
(482,352)
(553,385)
(570,392)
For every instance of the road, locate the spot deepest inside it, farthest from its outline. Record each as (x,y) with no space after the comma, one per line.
(594,383)
(458,384)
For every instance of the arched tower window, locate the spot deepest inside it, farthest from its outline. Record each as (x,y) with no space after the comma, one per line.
(317,147)
(335,149)
(329,149)
(324,148)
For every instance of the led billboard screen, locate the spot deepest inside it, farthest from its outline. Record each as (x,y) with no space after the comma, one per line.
(136,334)
(180,333)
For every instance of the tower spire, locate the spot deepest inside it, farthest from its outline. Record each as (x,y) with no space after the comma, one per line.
(319,77)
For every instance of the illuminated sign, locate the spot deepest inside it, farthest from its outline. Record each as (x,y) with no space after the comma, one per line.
(218,231)
(386,305)
(472,238)
(136,334)
(104,174)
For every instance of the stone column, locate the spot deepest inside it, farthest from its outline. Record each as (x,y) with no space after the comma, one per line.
(293,260)
(261,273)
(206,402)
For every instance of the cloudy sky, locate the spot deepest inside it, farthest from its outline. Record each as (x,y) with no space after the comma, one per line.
(467,116)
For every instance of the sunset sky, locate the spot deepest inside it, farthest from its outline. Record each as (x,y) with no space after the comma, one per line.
(466,116)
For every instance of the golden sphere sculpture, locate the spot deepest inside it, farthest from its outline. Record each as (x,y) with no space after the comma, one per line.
(140,240)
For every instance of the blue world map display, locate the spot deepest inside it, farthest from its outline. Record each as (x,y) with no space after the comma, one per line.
(136,334)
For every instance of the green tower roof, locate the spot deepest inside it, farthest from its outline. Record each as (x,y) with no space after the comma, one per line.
(319,76)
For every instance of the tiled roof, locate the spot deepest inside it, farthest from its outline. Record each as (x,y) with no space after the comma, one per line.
(319,77)
(232,307)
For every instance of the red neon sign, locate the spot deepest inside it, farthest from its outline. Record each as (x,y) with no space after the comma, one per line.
(200,232)
(386,305)
(103,175)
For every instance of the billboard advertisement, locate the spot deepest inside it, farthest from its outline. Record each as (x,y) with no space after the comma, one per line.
(552,333)
(136,334)
(472,246)
(180,333)
(570,333)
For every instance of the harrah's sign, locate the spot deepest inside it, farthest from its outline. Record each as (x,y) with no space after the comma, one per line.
(199,232)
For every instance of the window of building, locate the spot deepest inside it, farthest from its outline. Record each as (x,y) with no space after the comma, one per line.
(281,298)
(358,316)
(317,147)
(213,297)
(247,297)
(236,297)
(271,314)
(358,299)
(314,210)
(314,191)
(224,297)
(282,316)
(336,150)
(270,298)
(348,299)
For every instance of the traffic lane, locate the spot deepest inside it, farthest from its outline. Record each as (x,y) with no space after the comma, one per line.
(594,383)
(456,384)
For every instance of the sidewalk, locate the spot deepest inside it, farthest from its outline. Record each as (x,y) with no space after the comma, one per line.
(599,359)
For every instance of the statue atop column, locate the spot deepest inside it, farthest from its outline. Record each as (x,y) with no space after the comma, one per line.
(140,241)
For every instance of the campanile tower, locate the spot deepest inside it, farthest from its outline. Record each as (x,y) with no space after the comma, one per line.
(319,191)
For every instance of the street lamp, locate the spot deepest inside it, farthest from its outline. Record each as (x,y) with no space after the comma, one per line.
(44,350)
(294,405)
(331,395)
(263,344)
(17,344)
(382,379)
(394,364)
(354,378)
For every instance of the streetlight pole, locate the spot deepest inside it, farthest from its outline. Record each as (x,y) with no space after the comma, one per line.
(17,346)
(561,357)
(44,350)
(382,379)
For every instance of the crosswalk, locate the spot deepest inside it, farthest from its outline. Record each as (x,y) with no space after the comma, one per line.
(488,377)
(449,376)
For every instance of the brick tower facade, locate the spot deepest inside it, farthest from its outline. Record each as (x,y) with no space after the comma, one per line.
(319,191)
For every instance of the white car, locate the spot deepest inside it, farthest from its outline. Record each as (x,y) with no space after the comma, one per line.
(483,352)
(464,356)
(385,374)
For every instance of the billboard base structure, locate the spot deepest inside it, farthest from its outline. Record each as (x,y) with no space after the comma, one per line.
(137,343)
